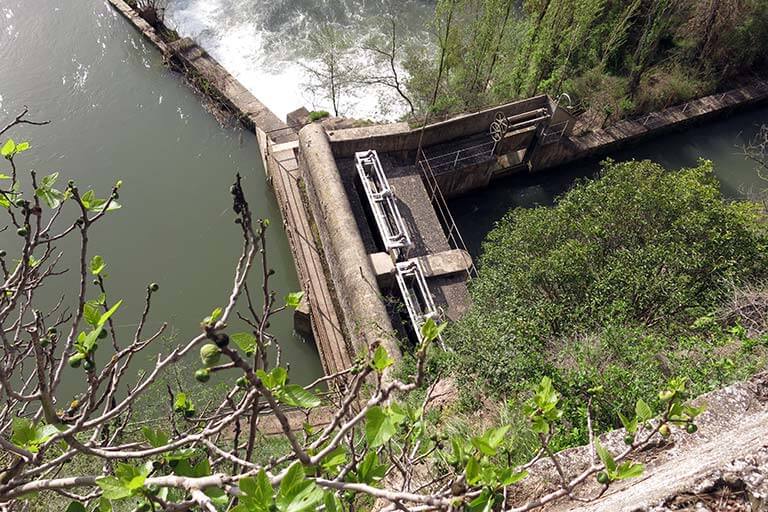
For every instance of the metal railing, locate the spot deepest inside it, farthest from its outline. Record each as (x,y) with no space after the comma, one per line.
(455,240)
(553,133)
(389,221)
(449,161)
(416,294)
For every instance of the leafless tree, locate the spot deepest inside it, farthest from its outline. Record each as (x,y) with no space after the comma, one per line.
(387,47)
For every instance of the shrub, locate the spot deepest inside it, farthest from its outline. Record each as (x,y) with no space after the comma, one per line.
(316,115)
(600,290)
(664,86)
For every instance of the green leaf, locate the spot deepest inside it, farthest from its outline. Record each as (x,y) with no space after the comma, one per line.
(91,313)
(369,470)
(629,470)
(430,331)
(51,196)
(273,380)
(29,435)
(258,489)
(605,457)
(182,404)
(22,147)
(482,503)
(112,488)
(643,411)
(156,438)
(297,494)
(104,505)
(381,359)
(105,316)
(244,340)
(332,503)
(8,149)
(629,425)
(97,265)
(540,425)
(293,299)
(379,427)
(75,506)
(133,477)
(296,396)
(334,459)
(215,315)
(472,471)
(513,478)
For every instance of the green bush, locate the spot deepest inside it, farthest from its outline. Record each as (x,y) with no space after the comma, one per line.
(601,290)
(666,85)
(316,115)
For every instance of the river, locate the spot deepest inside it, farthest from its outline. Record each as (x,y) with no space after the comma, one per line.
(118,113)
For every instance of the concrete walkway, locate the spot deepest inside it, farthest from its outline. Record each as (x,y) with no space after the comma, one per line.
(283,171)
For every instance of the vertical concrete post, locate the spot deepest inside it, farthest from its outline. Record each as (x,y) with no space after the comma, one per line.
(364,312)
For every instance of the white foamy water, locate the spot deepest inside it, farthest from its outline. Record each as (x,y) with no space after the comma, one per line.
(264,44)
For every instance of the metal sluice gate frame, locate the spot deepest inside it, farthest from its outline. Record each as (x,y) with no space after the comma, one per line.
(382,202)
(416,295)
(408,273)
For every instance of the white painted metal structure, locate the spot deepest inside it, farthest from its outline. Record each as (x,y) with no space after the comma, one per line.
(385,211)
(416,295)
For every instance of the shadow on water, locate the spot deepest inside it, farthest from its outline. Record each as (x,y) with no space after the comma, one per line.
(477,213)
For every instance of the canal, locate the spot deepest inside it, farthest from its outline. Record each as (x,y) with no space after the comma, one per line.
(719,141)
(118,113)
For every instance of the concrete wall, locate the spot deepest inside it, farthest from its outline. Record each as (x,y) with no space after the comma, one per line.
(399,138)
(630,131)
(358,294)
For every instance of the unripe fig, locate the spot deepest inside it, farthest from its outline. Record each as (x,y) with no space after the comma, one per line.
(664,430)
(629,439)
(691,428)
(210,354)
(52,330)
(242,382)
(202,375)
(103,334)
(2,253)
(76,360)
(666,395)
(222,340)
(154,287)
(95,282)
(22,231)
(88,365)
(602,477)
(44,341)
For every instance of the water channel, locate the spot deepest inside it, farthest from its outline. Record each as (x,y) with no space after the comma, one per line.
(118,113)
(719,141)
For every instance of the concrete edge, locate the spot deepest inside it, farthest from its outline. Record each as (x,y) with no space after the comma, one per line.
(364,312)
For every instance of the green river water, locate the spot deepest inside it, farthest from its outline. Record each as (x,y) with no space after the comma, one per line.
(118,113)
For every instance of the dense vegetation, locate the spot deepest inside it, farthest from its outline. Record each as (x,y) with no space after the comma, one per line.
(615,58)
(622,284)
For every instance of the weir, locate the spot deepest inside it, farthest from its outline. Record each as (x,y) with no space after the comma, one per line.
(374,244)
